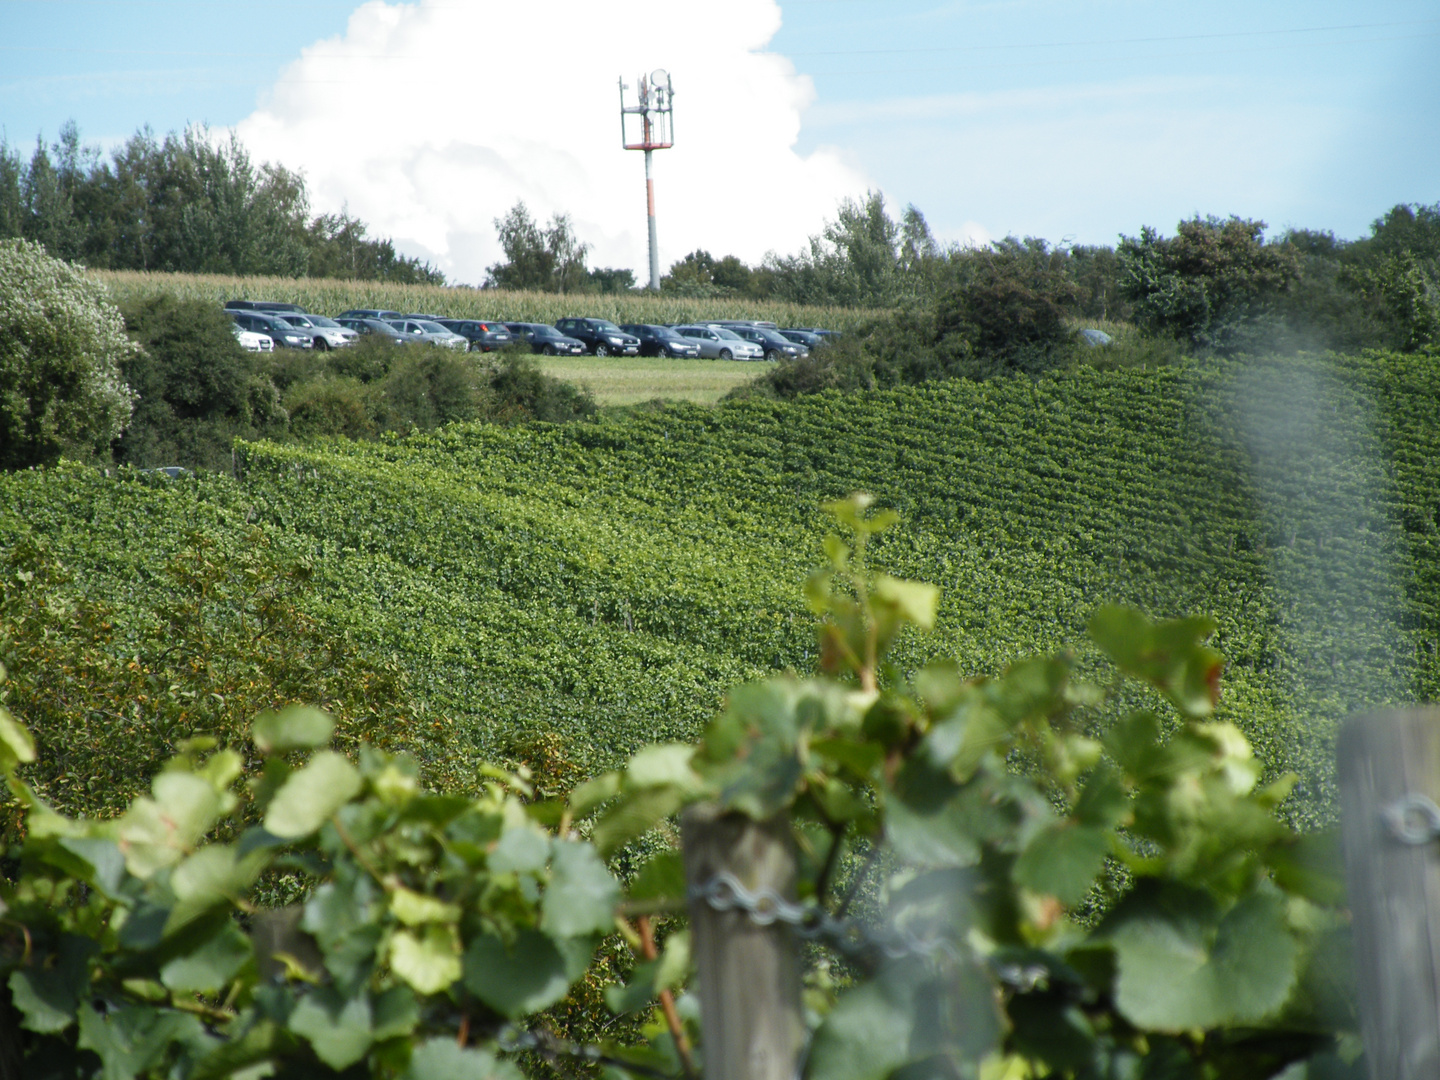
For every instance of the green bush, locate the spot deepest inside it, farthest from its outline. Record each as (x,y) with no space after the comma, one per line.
(1216,285)
(523,392)
(198,389)
(333,406)
(62,347)
(429,386)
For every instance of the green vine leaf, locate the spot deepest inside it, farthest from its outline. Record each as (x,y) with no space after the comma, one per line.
(310,797)
(428,960)
(1183,964)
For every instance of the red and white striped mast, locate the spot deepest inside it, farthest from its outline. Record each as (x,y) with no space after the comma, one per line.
(657,132)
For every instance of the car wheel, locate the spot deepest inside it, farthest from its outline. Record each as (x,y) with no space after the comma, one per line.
(726,354)
(772,354)
(549,350)
(321,344)
(602,350)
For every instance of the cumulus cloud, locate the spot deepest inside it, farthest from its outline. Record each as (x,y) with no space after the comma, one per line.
(430,120)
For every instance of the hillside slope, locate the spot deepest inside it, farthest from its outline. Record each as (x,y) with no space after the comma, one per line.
(604,583)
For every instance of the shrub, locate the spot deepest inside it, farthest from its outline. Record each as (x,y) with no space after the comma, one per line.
(524,392)
(62,344)
(429,386)
(1010,302)
(1216,284)
(197,387)
(332,406)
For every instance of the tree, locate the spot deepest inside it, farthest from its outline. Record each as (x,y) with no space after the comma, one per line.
(612,279)
(1216,284)
(550,259)
(62,345)
(1009,302)
(193,381)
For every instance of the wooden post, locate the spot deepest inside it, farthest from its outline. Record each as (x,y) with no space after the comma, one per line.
(1389,770)
(748,975)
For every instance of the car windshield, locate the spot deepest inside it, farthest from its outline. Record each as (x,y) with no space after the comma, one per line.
(601,324)
(727,335)
(320,320)
(772,336)
(295,319)
(433,327)
(545,331)
(666,333)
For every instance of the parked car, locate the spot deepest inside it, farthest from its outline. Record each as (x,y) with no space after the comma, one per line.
(601,336)
(260,305)
(369,313)
(283,334)
(329,334)
(819,331)
(484,335)
(810,340)
(661,341)
(717,343)
(378,328)
(430,332)
(543,338)
(774,346)
(251,341)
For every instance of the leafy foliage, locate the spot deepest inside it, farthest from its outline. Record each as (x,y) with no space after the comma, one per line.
(197,389)
(574,564)
(62,347)
(1215,284)
(434,921)
(187,203)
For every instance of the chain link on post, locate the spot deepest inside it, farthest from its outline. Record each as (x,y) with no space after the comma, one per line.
(810,922)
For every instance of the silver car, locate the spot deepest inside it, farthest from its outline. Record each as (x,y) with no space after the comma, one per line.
(328,333)
(431,332)
(717,343)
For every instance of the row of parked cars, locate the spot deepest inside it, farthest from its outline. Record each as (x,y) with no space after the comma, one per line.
(264,326)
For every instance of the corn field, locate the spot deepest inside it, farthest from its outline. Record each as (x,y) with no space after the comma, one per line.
(328,296)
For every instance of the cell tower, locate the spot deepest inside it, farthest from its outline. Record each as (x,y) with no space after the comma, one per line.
(656,132)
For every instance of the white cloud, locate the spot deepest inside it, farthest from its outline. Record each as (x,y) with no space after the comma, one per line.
(430,120)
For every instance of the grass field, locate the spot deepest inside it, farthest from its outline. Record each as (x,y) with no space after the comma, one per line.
(629,381)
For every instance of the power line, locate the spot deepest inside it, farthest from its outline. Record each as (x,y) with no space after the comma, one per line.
(1116,41)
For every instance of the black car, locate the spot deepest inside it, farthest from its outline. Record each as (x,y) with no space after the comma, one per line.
(775,346)
(546,339)
(804,337)
(662,341)
(263,305)
(286,336)
(375,328)
(601,336)
(483,334)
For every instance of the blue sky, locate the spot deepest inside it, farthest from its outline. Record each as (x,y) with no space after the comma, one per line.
(1073,121)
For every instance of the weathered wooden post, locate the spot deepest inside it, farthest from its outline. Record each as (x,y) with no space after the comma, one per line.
(1389,769)
(748,974)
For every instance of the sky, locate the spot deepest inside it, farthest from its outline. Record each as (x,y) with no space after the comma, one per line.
(1076,121)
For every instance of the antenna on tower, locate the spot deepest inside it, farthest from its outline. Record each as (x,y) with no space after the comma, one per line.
(649,125)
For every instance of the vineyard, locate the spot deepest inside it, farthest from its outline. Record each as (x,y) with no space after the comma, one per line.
(328,296)
(592,587)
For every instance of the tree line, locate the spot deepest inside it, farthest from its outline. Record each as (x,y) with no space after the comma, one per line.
(187,203)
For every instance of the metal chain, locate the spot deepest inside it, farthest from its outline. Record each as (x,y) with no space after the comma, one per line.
(765,907)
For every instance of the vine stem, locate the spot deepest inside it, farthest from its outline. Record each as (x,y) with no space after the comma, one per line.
(667,1001)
